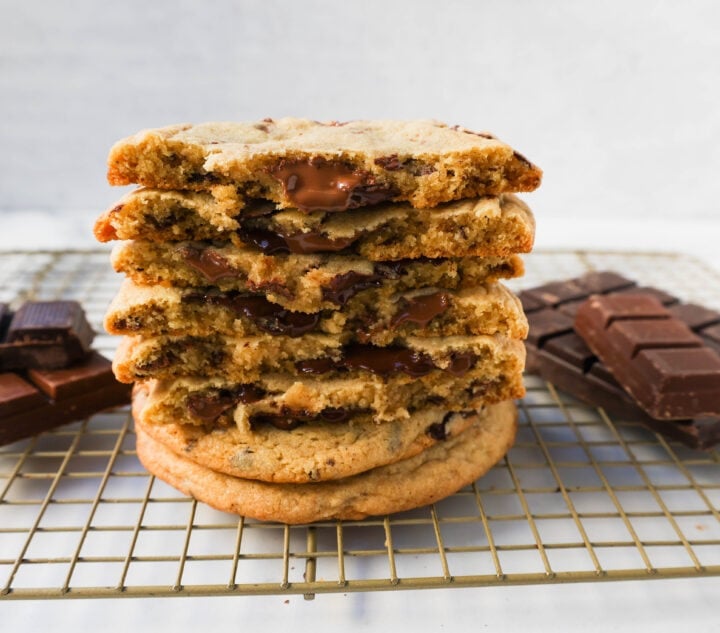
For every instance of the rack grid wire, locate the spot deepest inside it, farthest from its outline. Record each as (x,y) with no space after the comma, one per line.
(579,498)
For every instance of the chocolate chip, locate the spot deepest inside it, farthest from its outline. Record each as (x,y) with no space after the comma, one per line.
(202,178)
(389,163)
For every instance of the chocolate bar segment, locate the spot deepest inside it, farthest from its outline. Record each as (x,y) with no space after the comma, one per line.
(563,358)
(49,398)
(17,395)
(44,334)
(654,355)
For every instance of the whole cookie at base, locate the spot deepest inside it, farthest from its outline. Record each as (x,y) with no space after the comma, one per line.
(423,479)
(317,451)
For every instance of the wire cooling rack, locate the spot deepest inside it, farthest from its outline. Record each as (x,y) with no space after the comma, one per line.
(578,498)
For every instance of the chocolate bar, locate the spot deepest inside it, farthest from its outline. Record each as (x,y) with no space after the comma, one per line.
(556,352)
(43,399)
(43,334)
(654,355)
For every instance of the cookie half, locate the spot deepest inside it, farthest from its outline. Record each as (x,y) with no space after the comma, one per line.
(481,227)
(318,451)
(429,476)
(367,318)
(324,356)
(286,400)
(303,283)
(325,166)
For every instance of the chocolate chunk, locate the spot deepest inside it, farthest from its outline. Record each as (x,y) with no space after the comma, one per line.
(438,430)
(316,242)
(46,399)
(345,286)
(211,404)
(44,335)
(562,357)
(207,262)
(460,363)
(324,185)
(267,316)
(317,366)
(385,361)
(272,242)
(421,309)
(655,356)
(389,163)
(257,208)
(204,178)
(319,185)
(369,195)
(268,242)
(288,419)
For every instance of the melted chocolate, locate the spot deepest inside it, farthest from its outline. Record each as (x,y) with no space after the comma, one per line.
(210,405)
(438,430)
(422,309)
(321,185)
(267,316)
(255,208)
(288,419)
(389,163)
(385,361)
(460,363)
(343,287)
(209,263)
(272,242)
(317,366)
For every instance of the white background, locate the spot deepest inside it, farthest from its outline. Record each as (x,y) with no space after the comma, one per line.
(618,101)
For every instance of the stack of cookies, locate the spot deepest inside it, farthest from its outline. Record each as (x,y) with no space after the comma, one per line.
(312,315)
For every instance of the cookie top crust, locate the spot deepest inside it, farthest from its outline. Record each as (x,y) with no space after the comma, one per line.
(328,166)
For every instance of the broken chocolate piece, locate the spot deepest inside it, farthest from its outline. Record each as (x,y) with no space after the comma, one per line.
(655,356)
(44,335)
(50,398)
(559,355)
(421,309)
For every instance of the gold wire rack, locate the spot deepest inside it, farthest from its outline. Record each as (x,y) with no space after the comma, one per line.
(579,498)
